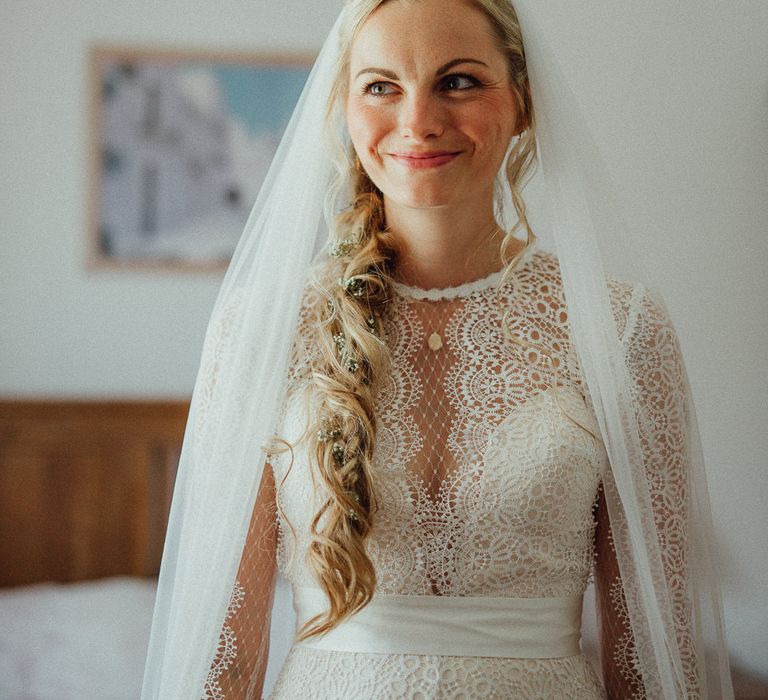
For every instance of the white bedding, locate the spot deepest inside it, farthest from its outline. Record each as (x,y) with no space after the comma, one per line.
(83,641)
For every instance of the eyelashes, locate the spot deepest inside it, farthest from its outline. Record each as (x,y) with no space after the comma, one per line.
(448,83)
(455,77)
(368,88)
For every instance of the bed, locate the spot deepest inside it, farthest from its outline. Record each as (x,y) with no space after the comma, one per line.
(85,488)
(75,641)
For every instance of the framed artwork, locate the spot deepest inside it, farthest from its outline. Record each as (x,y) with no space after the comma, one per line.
(180,144)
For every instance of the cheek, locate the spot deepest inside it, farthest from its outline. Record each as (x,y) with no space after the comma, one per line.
(366,129)
(492,146)
(492,122)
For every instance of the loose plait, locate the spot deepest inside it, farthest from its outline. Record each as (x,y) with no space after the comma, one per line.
(351,360)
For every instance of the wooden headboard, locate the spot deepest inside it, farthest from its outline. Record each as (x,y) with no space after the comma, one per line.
(85,487)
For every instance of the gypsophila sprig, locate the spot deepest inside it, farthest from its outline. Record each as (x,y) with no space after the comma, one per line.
(356,498)
(354,286)
(328,434)
(342,248)
(345,357)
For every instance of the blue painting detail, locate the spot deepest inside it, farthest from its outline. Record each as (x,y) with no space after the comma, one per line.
(262,99)
(184,151)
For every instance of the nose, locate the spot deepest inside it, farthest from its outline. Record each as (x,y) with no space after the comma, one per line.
(421,117)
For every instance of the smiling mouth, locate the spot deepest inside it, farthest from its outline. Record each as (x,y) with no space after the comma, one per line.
(419,161)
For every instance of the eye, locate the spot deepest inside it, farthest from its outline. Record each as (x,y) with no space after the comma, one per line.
(460,82)
(378,88)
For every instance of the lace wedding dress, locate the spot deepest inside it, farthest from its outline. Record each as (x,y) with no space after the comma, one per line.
(488,481)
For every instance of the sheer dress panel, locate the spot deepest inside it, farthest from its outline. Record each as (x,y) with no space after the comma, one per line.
(241,660)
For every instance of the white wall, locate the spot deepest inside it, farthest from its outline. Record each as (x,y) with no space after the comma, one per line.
(71,332)
(66,330)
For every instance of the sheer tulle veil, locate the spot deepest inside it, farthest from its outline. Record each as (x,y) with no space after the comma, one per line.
(241,380)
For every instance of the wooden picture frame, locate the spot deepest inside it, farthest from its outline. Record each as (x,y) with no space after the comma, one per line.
(180,143)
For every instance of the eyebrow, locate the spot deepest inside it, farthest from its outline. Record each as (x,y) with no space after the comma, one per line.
(440,71)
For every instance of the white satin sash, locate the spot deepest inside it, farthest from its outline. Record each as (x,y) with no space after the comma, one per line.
(523,628)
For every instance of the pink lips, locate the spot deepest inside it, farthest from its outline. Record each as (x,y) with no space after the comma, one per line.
(418,161)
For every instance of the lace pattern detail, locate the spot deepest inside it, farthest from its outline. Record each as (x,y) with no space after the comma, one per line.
(624,654)
(227,649)
(385,676)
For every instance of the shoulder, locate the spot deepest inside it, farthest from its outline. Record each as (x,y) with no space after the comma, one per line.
(636,307)
(536,286)
(641,316)
(542,273)
(236,307)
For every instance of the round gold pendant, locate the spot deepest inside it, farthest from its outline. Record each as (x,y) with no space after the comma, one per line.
(435,342)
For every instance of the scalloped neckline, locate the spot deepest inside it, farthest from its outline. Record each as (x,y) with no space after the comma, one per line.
(461,290)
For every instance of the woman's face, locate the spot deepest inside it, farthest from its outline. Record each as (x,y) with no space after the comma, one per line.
(430,108)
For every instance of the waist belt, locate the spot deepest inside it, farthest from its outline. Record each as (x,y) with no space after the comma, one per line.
(524,628)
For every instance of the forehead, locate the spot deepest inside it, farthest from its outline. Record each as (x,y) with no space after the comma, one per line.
(410,35)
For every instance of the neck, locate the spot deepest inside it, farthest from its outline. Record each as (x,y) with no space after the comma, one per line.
(444,247)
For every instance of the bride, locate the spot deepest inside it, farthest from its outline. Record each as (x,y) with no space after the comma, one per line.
(454,456)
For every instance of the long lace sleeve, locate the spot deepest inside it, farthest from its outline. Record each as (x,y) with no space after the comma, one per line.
(238,670)
(660,388)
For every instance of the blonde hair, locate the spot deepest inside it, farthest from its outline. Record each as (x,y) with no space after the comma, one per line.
(352,358)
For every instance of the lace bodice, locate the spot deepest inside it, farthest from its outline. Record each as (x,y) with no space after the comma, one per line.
(474,455)
(488,474)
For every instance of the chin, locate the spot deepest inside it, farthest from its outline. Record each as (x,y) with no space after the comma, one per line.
(425,197)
